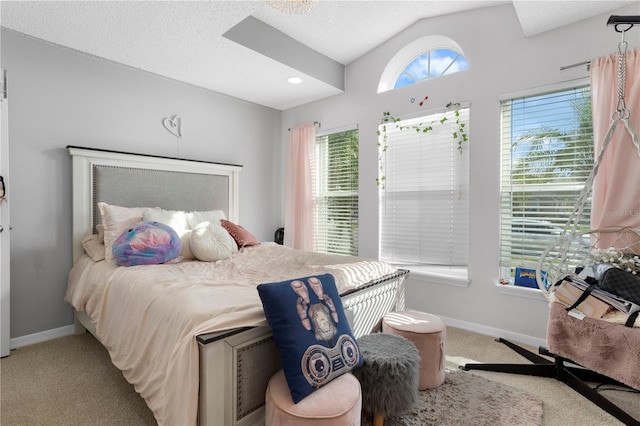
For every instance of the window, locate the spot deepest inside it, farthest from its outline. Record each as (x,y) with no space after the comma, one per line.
(336,193)
(547,155)
(431,64)
(423,59)
(424,205)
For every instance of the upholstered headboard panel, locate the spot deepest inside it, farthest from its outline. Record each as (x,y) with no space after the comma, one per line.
(170,190)
(134,180)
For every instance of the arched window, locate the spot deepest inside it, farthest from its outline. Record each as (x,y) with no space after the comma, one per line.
(426,58)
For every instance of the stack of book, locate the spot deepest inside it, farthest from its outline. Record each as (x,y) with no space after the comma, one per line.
(597,304)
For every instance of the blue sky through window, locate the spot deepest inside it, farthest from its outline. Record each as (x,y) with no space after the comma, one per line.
(556,112)
(432,64)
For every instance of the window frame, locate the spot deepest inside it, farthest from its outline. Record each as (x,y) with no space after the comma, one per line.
(322,194)
(411,51)
(456,275)
(507,268)
(431,57)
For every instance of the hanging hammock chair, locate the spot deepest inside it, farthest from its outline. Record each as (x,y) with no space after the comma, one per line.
(577,249)
(604,352)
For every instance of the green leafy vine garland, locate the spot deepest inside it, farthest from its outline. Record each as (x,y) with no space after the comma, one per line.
(459,135)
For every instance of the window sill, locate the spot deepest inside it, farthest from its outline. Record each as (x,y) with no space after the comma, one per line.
(514,290)
(454,276)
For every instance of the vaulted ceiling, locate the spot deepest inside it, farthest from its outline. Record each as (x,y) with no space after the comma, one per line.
(246,48)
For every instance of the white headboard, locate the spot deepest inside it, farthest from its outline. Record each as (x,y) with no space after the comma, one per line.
(134,180)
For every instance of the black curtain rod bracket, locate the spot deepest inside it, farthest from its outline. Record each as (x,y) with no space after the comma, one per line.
(623,20)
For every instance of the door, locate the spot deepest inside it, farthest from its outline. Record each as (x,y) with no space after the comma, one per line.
(4,217)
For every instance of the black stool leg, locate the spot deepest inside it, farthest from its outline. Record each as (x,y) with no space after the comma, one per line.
(574,377)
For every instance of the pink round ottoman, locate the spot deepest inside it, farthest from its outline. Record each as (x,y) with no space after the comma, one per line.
(428,333)
(339,402)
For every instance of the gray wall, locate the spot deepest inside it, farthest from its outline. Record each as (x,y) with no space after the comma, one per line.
(60,97)
(502,61)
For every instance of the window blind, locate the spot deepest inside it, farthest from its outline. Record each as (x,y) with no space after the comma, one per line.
(336,193)
(546,157)
(424,205)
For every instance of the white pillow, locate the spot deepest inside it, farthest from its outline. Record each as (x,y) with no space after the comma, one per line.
(197,217)
(115,220)
(186,252)
(211,242)
(177,220)
(174,218)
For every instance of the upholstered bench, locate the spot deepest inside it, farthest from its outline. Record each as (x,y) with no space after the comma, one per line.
(339,402)
(428,334)
(388,376)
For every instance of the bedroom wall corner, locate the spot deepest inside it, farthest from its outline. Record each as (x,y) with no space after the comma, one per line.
(502,61)
(63,97)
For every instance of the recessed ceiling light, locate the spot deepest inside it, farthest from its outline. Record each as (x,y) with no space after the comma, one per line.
(294,80)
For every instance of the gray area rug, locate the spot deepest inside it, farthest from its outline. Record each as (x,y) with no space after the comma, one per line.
(467,399)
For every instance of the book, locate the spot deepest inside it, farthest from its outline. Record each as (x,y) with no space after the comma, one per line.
(567,293)
(525,278)
(617,302)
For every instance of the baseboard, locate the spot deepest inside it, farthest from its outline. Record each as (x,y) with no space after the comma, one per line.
(42,336)
(494,332)
(67,330)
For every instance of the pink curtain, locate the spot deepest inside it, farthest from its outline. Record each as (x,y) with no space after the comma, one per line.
(616,188)
(298,217)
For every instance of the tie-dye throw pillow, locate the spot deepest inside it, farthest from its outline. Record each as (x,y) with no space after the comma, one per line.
(146,243)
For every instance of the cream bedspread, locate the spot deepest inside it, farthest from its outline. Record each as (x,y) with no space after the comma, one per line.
(148,316)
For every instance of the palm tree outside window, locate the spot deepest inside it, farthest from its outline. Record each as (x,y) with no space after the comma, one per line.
(547,156)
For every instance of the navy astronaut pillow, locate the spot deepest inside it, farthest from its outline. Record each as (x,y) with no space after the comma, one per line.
(311,331)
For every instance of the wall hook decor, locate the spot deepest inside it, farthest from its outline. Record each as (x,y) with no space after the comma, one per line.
(173,125)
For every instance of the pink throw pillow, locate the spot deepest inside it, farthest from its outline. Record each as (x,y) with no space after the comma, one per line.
(243,237)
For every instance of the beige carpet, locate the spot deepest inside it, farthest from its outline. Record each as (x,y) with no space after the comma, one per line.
(467,399)
(70,381)
(562,405)
(67,381)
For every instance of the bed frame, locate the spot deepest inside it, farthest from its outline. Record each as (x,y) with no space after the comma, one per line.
(235,365)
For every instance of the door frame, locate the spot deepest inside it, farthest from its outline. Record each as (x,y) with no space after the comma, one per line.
(5,276)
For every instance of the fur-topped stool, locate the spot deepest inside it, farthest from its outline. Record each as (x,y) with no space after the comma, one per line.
(427,332)
(388,376)
(339,402)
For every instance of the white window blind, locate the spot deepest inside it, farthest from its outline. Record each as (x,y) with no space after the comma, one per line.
(336,193)
(547,155)
(424,205)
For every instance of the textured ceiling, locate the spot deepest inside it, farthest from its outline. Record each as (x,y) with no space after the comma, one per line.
(184,40)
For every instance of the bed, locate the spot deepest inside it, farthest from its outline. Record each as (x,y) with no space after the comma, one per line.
(191,336)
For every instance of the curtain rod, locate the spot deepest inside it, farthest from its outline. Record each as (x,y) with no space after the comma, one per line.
(587,63)
(628,20)
(613,20)
(315,123)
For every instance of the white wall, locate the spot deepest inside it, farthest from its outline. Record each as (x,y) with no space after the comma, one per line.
(60,97)
(502,61)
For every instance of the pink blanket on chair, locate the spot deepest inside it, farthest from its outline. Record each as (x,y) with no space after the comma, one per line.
(604,347)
